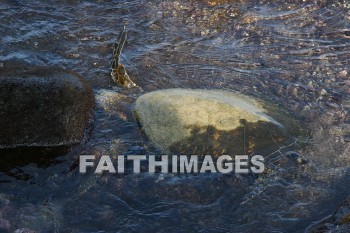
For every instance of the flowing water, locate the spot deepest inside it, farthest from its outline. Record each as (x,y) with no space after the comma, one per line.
(293,53)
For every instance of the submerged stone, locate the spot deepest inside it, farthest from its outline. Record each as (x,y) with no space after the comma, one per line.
(42,108)
(339,222)
(185,121)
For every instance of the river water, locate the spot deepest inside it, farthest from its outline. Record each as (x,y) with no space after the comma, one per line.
(295,54)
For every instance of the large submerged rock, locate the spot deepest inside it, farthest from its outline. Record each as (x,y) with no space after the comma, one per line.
(185,121)
(42,107)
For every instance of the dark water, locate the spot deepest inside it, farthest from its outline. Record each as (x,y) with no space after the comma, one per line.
(295,54)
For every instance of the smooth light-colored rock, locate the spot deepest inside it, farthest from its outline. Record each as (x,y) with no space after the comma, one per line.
(213,122)
(42,107)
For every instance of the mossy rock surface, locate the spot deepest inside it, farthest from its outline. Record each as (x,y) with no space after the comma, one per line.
(196,121)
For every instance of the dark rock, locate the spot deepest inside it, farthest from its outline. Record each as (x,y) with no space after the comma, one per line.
(339,222)
(294,156)
(43,107)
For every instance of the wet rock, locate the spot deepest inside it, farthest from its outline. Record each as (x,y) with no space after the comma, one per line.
(42,108)
(296,157)
(215,122)
(339,222)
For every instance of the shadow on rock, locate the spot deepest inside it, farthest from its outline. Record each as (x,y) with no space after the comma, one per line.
(259,137)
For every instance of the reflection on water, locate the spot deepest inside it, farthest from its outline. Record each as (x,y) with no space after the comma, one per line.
(294,54)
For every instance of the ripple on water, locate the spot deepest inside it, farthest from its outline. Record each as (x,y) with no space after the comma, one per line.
(293,54)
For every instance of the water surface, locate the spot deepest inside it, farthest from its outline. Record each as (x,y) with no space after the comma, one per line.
(294,54)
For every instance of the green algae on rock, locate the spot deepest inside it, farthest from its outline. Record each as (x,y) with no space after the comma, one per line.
(216,122)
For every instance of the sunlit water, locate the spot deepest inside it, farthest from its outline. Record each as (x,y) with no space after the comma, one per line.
(293,53)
